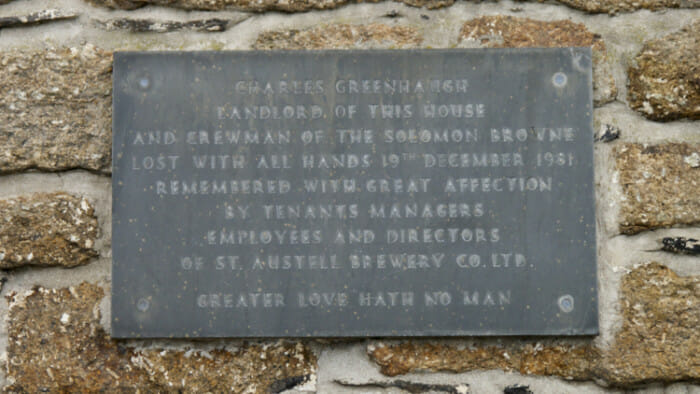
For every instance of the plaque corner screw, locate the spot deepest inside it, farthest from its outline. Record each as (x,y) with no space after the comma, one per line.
(566,303)
(559,79)
(144,83)
(143,304)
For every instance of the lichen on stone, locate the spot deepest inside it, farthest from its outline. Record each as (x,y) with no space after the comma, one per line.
(659,188)
(55,109)
(664,80)
(514,32)
(258,5)
(658,341)
(36,18)
(592,6)
(47,229)
(56,344)
(137,25)
(615,6)
(341,36)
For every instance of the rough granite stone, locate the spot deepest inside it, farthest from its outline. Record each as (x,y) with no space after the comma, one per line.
(513,32)
(531,358)
(217,5)
(213,25)
(44,229)
(664,82)
(258,5)
(615,6)
(55,110)
(36,18)
(341,36)
(56,344)
(660,186)
(658,341)
(593,6)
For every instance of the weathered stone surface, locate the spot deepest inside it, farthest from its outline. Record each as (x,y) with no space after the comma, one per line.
(562,360)
(615,6)
(46,230)
(406,387)
(259,5)
(216,5)
(56,344)
(513,32)
(429,4)
(341,36)
(658,341)
(659,186)
(664,82)
(152,26)
(36,18)
(593,6)
(55,110)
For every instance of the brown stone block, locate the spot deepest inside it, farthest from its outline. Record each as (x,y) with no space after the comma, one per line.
(56,344)
(56,110)
(47,230)
(341,36)
(217,5)
(664,82)
(660,336)
(258,6)
(512,32)
(658,341)
(562,360)
(660,186)
(593,6)
(615,6)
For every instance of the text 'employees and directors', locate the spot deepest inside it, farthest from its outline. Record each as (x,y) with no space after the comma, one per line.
(239,236)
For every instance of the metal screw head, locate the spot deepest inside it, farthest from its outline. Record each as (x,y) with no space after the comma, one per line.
(566,303)
(144,83)
(559,79)
(143,305)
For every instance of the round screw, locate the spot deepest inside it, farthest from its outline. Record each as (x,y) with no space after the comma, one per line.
(566,303)
(143,305)
(144,83)
(559,79)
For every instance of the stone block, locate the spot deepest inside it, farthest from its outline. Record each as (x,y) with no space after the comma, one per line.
(664,81)
(660,185)
(47,229)
(56,344)
(56,110)
(341,36)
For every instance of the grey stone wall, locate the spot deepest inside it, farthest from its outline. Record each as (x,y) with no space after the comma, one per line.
(55,198)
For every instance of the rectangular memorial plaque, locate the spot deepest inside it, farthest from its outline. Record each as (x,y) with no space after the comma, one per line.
(353,193)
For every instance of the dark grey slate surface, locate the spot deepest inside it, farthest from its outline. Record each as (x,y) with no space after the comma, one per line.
(495,236)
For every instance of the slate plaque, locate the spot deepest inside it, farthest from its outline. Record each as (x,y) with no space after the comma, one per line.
(353,193)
